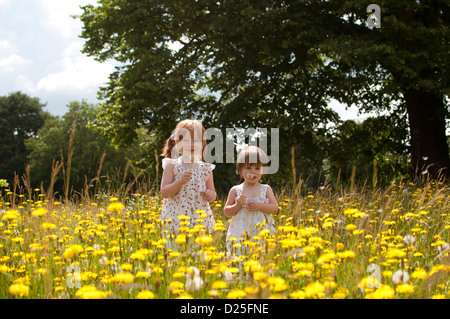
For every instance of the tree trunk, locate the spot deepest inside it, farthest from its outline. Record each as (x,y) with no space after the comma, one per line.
(429,148)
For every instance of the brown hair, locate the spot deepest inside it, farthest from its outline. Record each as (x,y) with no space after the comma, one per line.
(251,155)
(192,126)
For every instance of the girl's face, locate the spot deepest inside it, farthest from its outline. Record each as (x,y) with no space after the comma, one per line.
(251,173)
(191,147)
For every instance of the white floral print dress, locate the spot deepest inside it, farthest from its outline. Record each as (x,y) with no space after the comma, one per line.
(189,199)
(248,221)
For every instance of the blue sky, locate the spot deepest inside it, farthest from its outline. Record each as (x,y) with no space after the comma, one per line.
(40,55)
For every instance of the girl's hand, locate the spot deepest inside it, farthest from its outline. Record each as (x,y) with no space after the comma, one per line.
(186,177)
(253,206)
(209,195)
(240,201)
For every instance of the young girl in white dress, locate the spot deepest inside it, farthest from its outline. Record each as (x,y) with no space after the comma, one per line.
(250,205)
(187,184)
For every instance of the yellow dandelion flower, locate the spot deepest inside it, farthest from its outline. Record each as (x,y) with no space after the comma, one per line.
(395,253)
(114,249)
(178,275)
(368,283)
(325,258)
(259,275)
(40,271)
(251,290)
(219,226)
(20,290)
(204,240)
(405,288)
(347,254)
(145,294)
(11,215)
(219,284)
(123,277)
(115,206)
(4,269)
(126,266)
(438,268)
(351,227)
(419,273)
(298,294)
(157,270)
(90,292)
(236,294)
(142,274)
(384,292)
(350,211)
(99,252)
(232,270)
(39,212)
(71,251)
(176,285)
(137,256)
(341,293)
(314,289)
(48,226)
(181,239)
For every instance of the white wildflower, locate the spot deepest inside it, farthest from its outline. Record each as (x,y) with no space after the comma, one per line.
(400,276)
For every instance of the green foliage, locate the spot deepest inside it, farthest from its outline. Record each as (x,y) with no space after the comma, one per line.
(269,64)
(94,162)
(400,67)
(21,117)
(4,183)
(231,50)
(374,146)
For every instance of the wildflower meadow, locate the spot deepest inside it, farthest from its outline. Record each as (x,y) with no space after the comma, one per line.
(333,244)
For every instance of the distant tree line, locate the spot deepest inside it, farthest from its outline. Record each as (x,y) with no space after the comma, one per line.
(66,155)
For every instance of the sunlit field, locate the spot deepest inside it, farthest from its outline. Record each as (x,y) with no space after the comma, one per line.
(390,243)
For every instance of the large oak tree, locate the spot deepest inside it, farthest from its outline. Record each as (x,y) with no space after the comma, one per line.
(273,63)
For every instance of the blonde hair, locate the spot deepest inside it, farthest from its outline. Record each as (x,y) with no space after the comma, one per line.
(251,155)
(177,135)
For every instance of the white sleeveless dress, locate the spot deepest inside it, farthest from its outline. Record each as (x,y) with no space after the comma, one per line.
(251,222)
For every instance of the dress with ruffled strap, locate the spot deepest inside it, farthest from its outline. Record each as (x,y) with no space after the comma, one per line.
(251,222)
(189,199)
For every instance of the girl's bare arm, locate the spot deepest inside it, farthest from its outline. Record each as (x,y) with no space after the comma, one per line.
(169,186)
(271,208)
(232,206)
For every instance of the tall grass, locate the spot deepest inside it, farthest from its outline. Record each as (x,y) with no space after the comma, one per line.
(330,243)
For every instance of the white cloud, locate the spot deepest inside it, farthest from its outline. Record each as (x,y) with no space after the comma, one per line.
(5,45)
(4,2)
(12,62)
(57,16)
(76,73)
(9,60)
(23,83)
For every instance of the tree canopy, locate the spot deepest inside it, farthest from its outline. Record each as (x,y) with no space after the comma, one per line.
(272,63)
(94,161)
(21,117)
